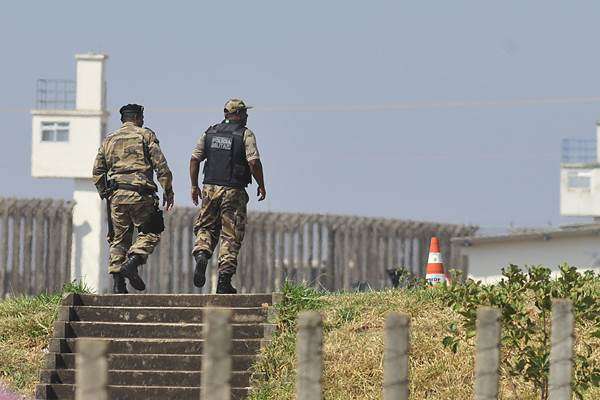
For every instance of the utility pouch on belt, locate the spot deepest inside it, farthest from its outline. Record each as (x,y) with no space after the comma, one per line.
(154,224)
(105,186)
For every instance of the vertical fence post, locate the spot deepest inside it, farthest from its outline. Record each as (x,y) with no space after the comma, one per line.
(310,357)
(487,358)
(395,357)
(561,353)
(216,365)
(4,232)
(28,248)
(91,374)
(330,262)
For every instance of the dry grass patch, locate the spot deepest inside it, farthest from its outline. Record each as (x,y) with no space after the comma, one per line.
(353,349)
(25,329)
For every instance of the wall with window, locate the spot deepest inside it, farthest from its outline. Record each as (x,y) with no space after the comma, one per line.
(486,258)
(65,145)
(576,191)
(55,131)
(579,179)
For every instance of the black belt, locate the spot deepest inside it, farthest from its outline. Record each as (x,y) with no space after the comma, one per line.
(141,190)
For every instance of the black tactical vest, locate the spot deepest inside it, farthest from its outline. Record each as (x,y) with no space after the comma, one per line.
(226,163)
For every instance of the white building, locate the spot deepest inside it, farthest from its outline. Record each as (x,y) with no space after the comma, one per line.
(484,256)
(577,245)
(580,177)
(68,126)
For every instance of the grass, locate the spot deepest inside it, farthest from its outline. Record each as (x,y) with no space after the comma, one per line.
(353,350)
(353,347)
(25,329)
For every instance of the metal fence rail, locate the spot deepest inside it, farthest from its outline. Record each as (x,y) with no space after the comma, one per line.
(326,251)
(35,245)
(55,94)
(578,151)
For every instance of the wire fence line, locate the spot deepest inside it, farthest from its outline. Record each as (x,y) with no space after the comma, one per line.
(405,105)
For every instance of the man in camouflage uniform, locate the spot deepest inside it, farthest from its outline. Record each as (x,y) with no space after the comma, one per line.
(232,158)
(124,175)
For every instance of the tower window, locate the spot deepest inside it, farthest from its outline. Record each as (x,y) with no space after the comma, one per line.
(55,131)
(579,180)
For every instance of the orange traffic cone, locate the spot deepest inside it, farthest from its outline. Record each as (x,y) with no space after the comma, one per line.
(435,266)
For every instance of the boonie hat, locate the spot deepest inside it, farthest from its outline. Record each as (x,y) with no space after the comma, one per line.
(235,105)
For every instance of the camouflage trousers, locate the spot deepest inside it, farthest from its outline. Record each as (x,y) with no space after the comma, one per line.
(222,215)
(124,218)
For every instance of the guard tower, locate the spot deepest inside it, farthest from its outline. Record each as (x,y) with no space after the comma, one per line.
(68,126)
(580,177)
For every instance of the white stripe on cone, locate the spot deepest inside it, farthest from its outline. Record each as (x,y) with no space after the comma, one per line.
(435,278)
(435,258)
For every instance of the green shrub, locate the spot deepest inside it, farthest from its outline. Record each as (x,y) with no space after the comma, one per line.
(274,361)
(525,301)
(295,298)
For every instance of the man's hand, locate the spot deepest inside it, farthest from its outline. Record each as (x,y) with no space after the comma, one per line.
(196,195)
(168,201)
(257,173)
(261,193)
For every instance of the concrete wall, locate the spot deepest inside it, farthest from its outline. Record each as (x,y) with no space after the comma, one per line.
(486,259)
(90,246)
(72,159)
(581,201)
(577,201)
(91,93)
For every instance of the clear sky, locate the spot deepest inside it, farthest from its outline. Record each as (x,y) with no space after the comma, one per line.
(305,65)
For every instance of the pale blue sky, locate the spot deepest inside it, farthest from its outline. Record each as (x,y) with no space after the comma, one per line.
(484,165)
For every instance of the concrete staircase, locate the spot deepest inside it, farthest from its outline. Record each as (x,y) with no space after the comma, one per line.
(155,349)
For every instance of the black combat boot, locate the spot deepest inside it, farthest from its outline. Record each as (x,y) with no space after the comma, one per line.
(130,271)
(224,284)
(200,270)
(119,285)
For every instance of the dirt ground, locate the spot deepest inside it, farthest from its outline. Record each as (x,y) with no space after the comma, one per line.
(5,394)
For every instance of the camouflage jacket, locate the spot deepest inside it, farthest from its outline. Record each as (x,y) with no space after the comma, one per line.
(130,155)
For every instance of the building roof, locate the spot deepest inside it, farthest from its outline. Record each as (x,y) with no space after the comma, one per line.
(570,231)
(91,56)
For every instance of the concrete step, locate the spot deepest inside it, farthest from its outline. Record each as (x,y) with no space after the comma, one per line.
(67,392)
(155,342)
(170,300)
(149,362)
(150,330)
(252,315)
(158,346)
(144,378)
